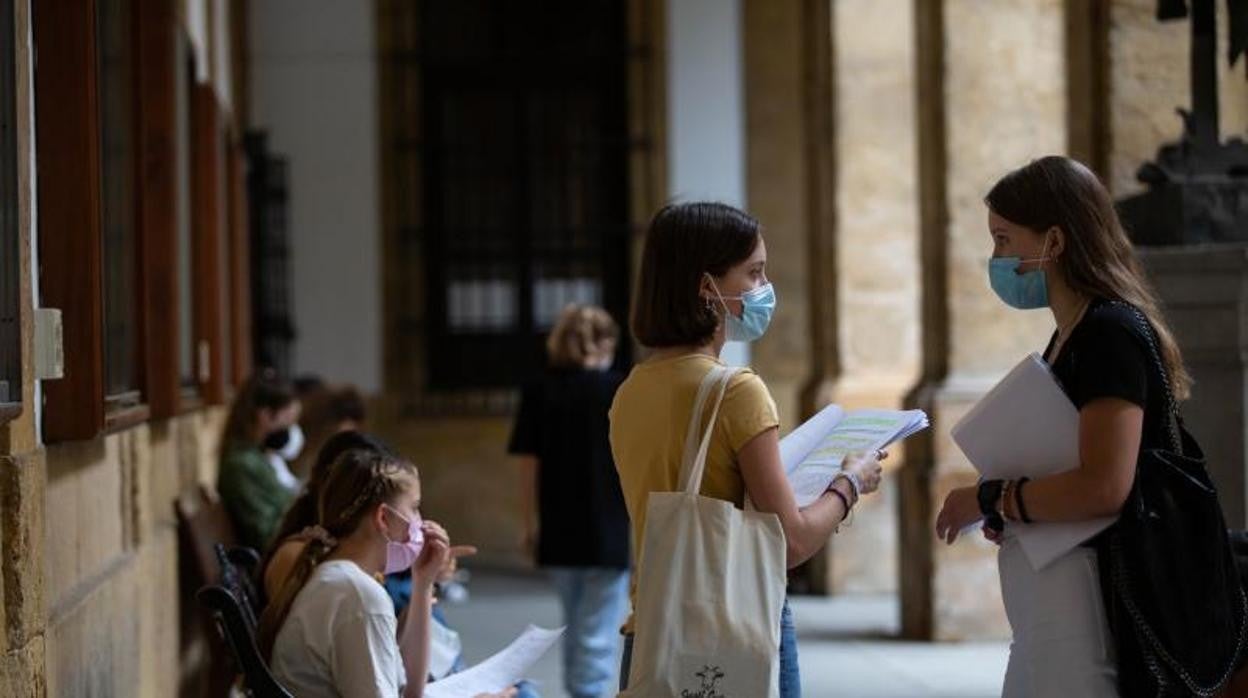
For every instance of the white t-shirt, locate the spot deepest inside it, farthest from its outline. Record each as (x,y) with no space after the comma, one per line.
(339,639)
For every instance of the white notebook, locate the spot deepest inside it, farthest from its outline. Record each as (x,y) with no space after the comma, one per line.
(1027,426)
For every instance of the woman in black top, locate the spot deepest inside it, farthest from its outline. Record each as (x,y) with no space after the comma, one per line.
(560,438)
(1058,244)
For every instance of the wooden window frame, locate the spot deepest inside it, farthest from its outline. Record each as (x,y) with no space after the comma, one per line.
(68,178)
(67,116)
(119,411)
(10,232)
(69,182)
(156,142)
(241,365)
(208,234)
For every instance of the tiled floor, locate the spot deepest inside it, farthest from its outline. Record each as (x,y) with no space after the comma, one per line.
(845,644)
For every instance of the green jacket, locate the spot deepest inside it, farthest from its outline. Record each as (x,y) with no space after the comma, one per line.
(252,495)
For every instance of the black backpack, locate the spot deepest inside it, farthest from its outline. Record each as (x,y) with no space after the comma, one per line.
(1172,564)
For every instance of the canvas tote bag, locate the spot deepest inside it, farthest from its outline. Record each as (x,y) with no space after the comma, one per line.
(710,586)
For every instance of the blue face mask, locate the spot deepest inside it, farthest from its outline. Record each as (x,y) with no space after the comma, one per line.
(757,305)
(1026,291)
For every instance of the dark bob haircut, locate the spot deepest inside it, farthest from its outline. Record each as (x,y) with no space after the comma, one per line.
(684,242)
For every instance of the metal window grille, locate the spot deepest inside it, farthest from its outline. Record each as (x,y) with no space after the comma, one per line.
(268,188)
(522,200)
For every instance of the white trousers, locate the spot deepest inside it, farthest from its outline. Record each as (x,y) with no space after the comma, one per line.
(1062,645)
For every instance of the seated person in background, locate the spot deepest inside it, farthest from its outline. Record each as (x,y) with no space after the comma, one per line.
(327,410)
(251,488)
(306,385)
(331,629)
(291,534)
(296,530)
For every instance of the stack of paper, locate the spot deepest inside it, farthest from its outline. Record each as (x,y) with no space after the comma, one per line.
(1027,426)
(813,452)
(501,671)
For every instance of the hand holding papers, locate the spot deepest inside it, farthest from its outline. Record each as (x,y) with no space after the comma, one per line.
(1026,426)
(813,453)
(500,671)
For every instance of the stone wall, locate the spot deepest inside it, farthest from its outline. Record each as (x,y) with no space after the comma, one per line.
(92,601)
(108,548)
(89,553)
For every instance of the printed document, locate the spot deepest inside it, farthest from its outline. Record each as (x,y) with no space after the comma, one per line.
(500,671)
(813,452)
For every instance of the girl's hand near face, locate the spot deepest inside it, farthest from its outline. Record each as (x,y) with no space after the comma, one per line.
(433,557)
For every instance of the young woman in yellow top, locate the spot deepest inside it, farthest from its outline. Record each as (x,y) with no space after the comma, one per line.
(703,282)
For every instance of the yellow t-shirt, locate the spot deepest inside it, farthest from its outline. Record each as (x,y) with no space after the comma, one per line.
(648,423)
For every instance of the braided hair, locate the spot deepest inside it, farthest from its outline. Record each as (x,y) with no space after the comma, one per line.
(358,482)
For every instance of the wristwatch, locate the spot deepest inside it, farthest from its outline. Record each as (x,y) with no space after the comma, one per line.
(989,494)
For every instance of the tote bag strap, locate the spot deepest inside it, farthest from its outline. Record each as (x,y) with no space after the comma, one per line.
(697,442)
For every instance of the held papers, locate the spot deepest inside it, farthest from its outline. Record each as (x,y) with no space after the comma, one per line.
(813,452)
(1026,426)
(499,671)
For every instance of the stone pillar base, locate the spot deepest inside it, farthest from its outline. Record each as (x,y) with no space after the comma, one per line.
(1204,291)
(862,557)
(948,592)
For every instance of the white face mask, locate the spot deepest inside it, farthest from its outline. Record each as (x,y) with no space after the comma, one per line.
(294,445)
(287,443)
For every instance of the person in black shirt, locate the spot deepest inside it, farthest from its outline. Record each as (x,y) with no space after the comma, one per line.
(1058,245)
(581,527)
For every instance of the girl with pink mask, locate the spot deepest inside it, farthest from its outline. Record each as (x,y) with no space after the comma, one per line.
(331,629)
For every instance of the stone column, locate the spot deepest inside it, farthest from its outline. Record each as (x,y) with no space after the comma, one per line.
(1205,291)
(23,481)
(777,160)
(991,98)
(872,313)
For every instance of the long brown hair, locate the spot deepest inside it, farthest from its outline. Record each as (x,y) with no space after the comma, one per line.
(1098,260)
(359,481)
(264,390)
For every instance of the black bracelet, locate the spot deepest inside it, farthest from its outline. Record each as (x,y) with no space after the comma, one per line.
(987,495)
(843,498)
(1018,499)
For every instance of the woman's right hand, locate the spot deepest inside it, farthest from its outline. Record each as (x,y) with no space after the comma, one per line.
(433,556)
(866,466)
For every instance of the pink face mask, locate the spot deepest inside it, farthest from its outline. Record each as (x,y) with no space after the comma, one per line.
(401,555)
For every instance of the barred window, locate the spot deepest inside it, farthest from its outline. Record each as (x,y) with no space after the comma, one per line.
(510,178)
